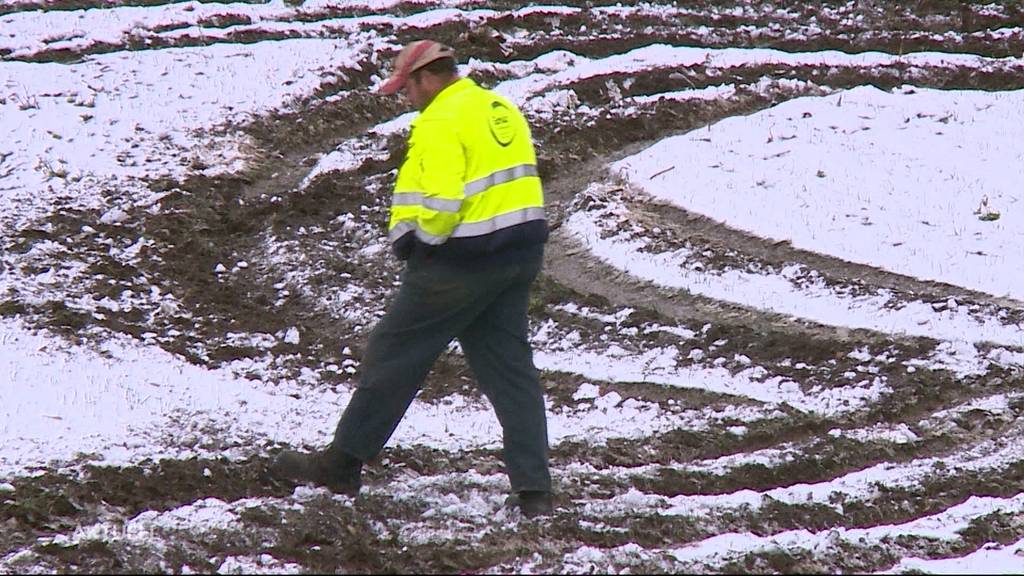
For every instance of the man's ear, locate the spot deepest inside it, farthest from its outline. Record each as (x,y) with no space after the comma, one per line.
(416,76)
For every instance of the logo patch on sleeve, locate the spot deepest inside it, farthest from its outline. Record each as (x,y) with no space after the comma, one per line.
(501,122)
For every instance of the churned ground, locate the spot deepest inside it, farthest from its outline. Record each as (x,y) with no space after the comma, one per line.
(780,324)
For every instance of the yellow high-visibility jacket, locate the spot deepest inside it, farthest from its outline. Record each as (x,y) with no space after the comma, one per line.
(468,186)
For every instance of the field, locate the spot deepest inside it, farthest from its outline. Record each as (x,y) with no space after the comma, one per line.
(779,324)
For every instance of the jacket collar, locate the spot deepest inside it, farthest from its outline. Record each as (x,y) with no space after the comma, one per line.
(460,85)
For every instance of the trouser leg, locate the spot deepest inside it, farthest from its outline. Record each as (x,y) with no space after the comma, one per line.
(498,349)
(392,375)
(433,305)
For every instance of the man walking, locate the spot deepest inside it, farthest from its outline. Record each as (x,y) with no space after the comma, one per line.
(467,215)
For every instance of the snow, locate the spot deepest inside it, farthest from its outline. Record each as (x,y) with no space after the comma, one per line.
(944,525)
(899,180)
(569,67)
(115,120)
(129,402)
(658,366)
(787,291)
(991,559)
(919,182)
(990,457)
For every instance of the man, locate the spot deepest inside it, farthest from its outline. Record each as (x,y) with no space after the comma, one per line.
(467,215)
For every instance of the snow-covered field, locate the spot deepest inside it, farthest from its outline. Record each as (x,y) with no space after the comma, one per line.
(780,326)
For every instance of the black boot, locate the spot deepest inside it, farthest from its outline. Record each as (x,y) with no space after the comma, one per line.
(336,470)
(532,503)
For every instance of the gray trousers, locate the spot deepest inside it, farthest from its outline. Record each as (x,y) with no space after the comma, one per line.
(485,307)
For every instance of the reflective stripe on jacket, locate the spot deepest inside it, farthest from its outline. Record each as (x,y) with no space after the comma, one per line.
(469,183)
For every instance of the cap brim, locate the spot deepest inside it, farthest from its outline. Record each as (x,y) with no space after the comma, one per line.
(392,86)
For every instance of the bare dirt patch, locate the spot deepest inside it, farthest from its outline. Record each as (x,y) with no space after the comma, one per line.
(307,243)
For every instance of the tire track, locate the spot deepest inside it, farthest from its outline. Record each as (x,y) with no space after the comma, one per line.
(787,489)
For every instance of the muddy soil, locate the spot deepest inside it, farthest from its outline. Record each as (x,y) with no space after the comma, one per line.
(306,245)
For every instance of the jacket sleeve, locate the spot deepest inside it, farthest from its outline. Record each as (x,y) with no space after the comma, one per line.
(442,177)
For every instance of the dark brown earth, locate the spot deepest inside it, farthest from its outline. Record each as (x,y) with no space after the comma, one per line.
(204,221)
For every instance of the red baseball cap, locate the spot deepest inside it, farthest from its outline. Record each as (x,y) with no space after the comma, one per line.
(414,56)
